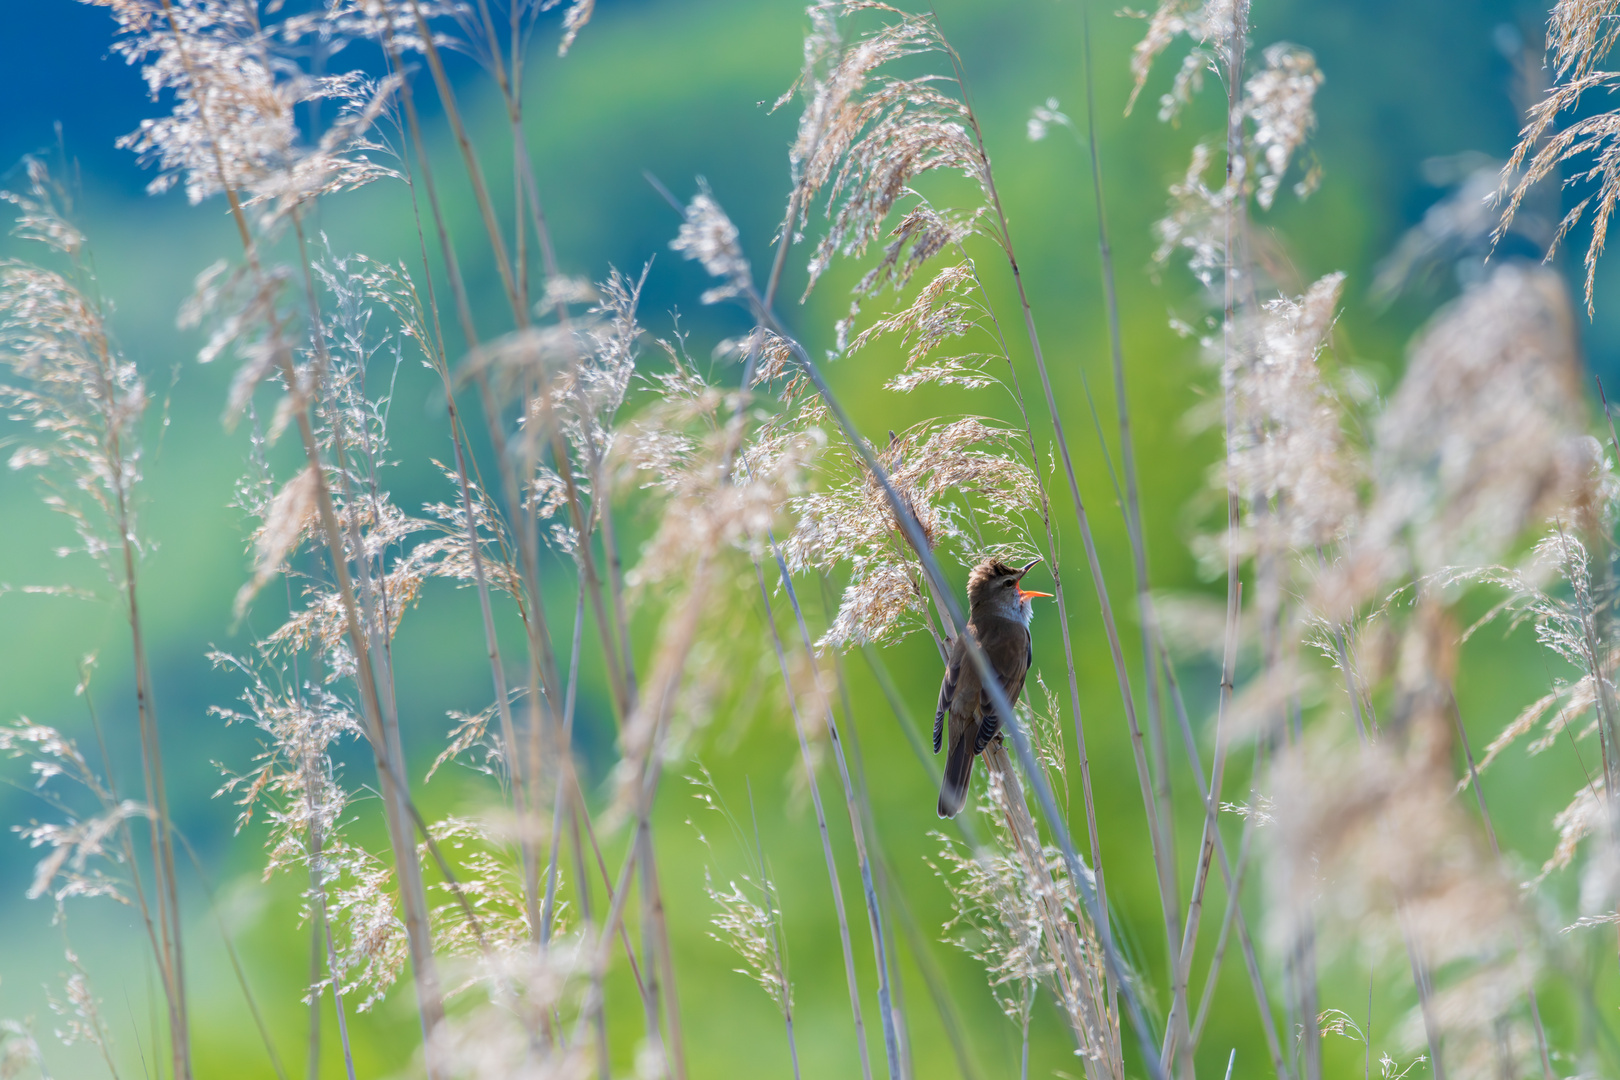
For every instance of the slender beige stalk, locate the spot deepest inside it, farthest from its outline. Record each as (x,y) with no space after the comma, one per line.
(602,509)
(658,931)
(821,824)
(166,936)
(1421,978)
(1233,880)
(236,962)
(557,814)
(486,207)
(542,656)
(323,932)
(663,683)
(125,835)
(858,827)
(1134,526)
(522,789)
(520,780)
(1496,849)
(520,315)
(1178,1033)
(172,958)
(1228,920)
(595,1016)
(312,1063)
(1165,871)
(407,868)
(373,664)
(528,539)
(880,862)
(938,986)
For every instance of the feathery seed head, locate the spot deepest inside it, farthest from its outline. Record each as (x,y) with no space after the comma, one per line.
(935,468)
(1210,24)
(708,236)
(1288,449)
(1481,438)
(863,138)
(234,124)
(1278,101)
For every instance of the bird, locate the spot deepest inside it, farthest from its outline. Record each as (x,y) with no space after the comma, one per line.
(999,610)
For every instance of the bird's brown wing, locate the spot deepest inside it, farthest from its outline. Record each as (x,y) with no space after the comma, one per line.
(947,690)
(1010,654)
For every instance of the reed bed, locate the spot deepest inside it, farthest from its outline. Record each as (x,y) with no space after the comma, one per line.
(1337,817)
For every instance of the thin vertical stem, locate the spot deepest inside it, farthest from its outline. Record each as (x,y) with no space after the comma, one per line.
(821,826)
(520,315)
(658,931)
(881,872)
(1165,870)
(236,962)
(172,960)
(313,1065)
(1420,978)
(1490,833)
(475,172)
(1177,1031)
(858,826)
(1228,920)
(557,810)
(773,908)
(322,926)
(1135,528)
(1234,881)
(407,868)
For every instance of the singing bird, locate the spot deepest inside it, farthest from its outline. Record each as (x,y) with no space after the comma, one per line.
(998,619)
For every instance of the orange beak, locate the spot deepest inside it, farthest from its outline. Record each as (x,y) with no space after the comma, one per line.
(1026,593)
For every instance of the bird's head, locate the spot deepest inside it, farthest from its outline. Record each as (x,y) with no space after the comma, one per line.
(996,588)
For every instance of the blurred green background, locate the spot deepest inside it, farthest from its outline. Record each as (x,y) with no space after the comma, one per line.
(682,90)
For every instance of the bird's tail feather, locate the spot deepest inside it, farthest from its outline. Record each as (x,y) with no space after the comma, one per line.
(953,789)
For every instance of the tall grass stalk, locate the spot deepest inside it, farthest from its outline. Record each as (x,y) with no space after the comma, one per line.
(87,403)
(858,829)
(807,760)
(408,868)
(1234,886)
(1052,561)
(1496,850)
(1134,526)
(1156,828)
(622,678)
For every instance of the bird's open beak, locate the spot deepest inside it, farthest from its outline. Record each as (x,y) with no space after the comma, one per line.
(1027,593)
